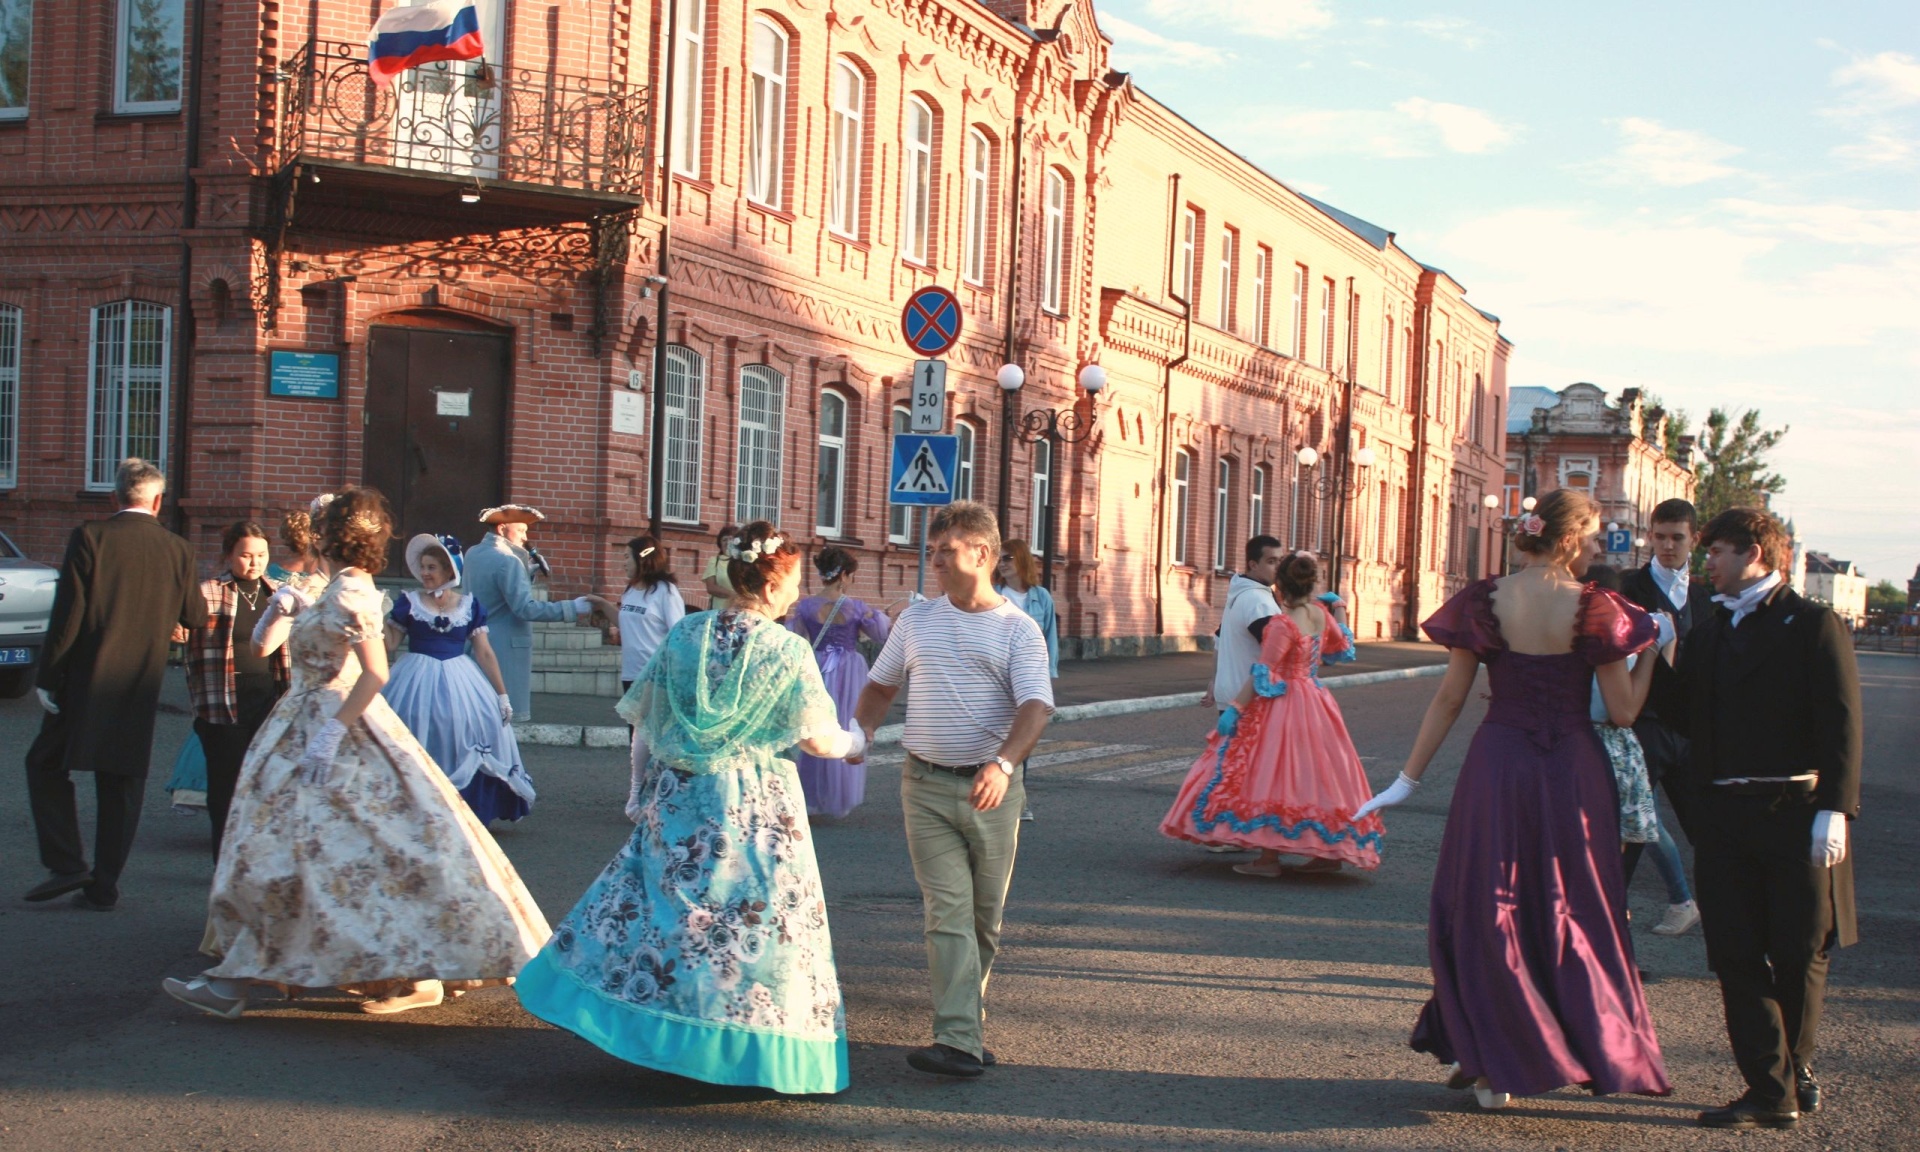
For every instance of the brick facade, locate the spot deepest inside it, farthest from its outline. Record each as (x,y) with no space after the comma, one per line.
(307,236)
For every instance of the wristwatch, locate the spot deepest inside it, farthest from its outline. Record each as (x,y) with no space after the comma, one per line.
(1006,765)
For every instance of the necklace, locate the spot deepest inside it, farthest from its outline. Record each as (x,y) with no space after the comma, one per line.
(252,599)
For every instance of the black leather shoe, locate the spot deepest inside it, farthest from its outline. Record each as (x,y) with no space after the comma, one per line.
(945,1060)
(1807,1089)
(87,903)
(59,884)
(986,1058)
(1752,1112)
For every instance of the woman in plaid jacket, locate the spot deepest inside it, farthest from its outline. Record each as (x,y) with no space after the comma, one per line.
(232,690)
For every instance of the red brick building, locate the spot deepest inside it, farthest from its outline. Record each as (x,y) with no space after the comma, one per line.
(277,279)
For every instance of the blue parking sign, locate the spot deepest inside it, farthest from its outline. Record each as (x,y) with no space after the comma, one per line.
(1620,540)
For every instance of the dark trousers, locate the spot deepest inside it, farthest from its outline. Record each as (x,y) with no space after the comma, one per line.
(1767,913)
(226,747)
(57,822)
(1666,752)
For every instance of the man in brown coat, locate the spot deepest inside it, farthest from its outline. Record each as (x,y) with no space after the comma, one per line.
(124,585)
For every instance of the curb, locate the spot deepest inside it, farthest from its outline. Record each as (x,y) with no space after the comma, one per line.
(615,735)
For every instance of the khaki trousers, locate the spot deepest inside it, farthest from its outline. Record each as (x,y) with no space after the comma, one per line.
(963,861)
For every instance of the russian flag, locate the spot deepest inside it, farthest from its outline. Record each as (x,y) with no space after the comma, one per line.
(408,37)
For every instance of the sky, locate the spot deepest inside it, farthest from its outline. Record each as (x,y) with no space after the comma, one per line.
(1715,201)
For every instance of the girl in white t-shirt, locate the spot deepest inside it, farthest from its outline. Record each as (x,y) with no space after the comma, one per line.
(650,605)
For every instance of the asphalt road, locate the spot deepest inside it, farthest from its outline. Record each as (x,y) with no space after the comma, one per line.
(1147,997)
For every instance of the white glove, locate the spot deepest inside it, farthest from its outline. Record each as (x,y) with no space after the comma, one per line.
(637,758)
(290,600)
(506,708)
(46,701)
(1829,838)
(1664,624)
(316,763)
(1396,792)
(582,606)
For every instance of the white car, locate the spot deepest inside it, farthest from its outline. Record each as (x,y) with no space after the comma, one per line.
(26,607)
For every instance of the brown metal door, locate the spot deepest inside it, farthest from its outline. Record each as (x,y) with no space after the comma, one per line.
(436,428)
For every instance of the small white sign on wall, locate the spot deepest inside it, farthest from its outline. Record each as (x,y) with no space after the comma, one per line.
(629,413)
(452,403)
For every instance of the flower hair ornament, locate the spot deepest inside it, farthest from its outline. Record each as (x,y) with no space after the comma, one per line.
(739,549)
(1531,524)
(830,575)
(319,505)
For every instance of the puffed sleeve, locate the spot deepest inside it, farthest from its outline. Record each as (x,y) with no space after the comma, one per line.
(479,622)
(402,613)
(874,624)
(1336,643)
(358,606)
(1609,628)
(1467,621)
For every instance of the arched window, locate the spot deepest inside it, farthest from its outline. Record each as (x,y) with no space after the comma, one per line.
(1222,515)
(963,461)
(979,204)
(1042,493)
(680,399)
(690,87)
(767,124)
(763,407)
(10,325)
(849,129)
(1302,500)
(829,518)
(1053,272)
(1257,502)
(1182,481)
(916,183)
(127,404)
(899,516)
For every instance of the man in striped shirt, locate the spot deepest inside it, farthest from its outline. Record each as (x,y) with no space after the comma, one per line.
(981,697)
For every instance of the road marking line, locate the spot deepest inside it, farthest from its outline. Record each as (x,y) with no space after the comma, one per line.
(1078,754)
(1141,771)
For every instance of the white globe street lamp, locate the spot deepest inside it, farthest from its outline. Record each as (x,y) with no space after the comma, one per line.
(1528,504)
(1307,457)
(1363,458)
(1093,378)
(1011,377)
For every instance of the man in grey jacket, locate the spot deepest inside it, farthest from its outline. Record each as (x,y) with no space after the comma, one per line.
(498,575)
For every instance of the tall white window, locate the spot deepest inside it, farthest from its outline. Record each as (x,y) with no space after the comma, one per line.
(1263,296)
(1189,239)
(1257,502)
(899,516)
(763,408)
(1182,480)
(963,460)
(849,124)
(9,396)
(1229,254)
(147,51)
(1302,503)
(1326,324)
(1386,356)
(767,128)
(16,50)
(829,514)
(979,210)
(1222,521)
(1299,341)
(680,402)
(127,405)
(1042,495)
(916,182)
(1054,270)
(690,87)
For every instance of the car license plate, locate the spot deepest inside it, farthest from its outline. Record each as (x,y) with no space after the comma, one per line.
(16,655)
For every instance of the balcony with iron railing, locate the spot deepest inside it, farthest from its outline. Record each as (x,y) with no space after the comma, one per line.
(454,147)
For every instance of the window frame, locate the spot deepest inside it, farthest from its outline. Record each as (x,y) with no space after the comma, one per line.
(1229,273)
(1263,295)
(1056,190)
(122,28)
(101,467)
(975,257)
(1301,277)
(1179,493)
(899,516)
(847,142)
(1189,257)
(767,117)
(1222,514)
(13,324)
(965,443)
(770,459)
(684,435)
(690,90)
(826,443)
(1328,312)
(917,183)
(19,111)
(1039,494)
(1257,501)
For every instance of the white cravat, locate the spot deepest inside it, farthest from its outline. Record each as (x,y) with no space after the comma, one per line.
(1672,582)
(1742,604)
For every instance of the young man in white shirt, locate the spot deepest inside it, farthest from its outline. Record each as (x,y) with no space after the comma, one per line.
(1249,599)
(981,697)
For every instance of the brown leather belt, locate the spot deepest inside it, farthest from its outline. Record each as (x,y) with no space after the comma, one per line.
(964,771)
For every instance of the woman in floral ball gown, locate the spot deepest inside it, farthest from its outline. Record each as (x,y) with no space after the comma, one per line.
(702,949)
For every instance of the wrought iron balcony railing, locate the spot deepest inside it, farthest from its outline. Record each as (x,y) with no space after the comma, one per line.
(465,119)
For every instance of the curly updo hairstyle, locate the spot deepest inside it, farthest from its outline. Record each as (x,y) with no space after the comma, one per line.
(752,579)
(835,563)
(1564,516)
(1299,572)
(356,529)
(296,533)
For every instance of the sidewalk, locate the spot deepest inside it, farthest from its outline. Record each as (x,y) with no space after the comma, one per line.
(1082,682)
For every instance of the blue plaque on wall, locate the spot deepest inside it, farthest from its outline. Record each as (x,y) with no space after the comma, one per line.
(305,375)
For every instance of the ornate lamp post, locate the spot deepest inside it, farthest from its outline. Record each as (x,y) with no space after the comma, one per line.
(1337,486)
(1056,426)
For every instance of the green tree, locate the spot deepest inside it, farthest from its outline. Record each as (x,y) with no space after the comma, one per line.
(154,37)
(1733,463)
(1677,420)
(1886,597)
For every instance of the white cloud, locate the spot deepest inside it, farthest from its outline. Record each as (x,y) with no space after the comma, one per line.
(1462,129)
(1880,83)
(1878,95)
(1273,19)
(1652,153)
(1832,223)
(1449,29)
(1136,47)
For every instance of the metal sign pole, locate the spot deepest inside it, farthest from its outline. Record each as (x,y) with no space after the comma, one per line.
(920,581)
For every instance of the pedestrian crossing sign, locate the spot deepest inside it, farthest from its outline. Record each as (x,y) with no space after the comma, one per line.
(922,469)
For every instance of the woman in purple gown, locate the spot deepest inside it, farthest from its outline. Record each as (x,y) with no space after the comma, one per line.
(1534,984)
(834,622)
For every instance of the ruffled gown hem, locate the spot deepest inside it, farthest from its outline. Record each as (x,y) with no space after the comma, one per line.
(699,1050)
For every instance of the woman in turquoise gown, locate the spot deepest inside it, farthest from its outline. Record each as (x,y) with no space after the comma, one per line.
(702,949)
